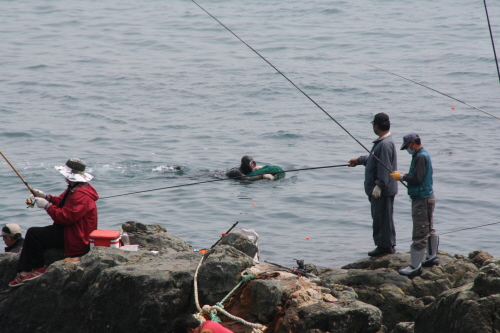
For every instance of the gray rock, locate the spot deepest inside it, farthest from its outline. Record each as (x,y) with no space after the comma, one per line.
(241,243)
(472,308)
(478,257)
(111,290)
(154,238)
(221,272)
(407,327)
(376,281)
(290,303)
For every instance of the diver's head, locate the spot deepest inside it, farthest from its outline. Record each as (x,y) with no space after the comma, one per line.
(247,164)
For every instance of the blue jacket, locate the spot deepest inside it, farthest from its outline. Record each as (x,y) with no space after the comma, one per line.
(423,189)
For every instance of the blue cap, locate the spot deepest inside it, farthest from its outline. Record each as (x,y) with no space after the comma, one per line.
(408,138)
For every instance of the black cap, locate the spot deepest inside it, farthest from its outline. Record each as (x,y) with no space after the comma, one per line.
(380,118)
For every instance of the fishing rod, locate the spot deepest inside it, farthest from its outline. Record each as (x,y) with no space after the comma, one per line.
(420,84)
(218,180)
(29,201)
(378,68)
(491,35)
(312,100)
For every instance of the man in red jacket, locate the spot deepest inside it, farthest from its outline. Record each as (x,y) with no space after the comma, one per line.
(74,213)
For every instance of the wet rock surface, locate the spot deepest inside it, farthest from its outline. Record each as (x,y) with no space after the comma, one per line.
(112,290)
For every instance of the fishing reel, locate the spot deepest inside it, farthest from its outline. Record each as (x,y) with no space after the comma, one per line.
(30,202)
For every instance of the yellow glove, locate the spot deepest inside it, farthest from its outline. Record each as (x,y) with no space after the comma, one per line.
(397,175)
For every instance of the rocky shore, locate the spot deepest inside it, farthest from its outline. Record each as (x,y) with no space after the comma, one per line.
(111,290)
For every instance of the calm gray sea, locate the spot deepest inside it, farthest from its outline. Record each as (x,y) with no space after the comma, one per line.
(136,88)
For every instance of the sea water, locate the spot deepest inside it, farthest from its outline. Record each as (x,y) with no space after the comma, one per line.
(139,89)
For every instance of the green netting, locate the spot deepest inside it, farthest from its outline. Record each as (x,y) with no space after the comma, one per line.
(274,170)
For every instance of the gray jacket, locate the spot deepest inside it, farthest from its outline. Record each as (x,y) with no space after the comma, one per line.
(377,174)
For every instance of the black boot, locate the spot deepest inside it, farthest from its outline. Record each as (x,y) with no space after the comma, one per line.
(382,250)
(432,248)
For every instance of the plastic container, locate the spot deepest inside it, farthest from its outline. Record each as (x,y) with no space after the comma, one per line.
(106,238)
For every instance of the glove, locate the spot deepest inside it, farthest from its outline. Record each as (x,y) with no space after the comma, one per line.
(268,176)
(377,191)
(397,175)
(39,194)
(41,203)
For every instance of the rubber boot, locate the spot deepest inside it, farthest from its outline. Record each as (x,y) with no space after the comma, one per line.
(415,267)
(432,250)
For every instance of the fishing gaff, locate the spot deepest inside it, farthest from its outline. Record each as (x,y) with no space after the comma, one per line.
(224,234)
(29,202)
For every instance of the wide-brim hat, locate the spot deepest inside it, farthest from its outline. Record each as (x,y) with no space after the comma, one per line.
(74,171)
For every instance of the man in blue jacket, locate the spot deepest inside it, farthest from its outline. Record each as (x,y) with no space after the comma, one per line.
(380,187)
(419,180)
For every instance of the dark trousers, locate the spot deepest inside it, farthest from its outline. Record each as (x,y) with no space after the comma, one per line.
(384,232)
(37,240)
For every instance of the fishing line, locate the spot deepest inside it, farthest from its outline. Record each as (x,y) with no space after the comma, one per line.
(251,48)
(491,35)
(218,180)
(420,84)
(8,217)
(478,226)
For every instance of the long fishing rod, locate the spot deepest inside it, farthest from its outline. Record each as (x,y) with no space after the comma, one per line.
(312,100)
(420,84)
(218,180)
(29,202)
(491,35)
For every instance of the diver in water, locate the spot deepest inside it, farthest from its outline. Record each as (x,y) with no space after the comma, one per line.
(249,170)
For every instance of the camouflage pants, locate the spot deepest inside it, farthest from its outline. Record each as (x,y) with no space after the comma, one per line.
(422,211)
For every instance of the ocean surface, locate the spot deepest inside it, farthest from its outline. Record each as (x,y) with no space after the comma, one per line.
(137,89)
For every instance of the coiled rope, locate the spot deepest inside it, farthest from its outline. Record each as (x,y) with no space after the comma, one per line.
(211,311)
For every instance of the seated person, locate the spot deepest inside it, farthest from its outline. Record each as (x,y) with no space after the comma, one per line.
(189,324)
(74,216)
(12,237)
(249,170)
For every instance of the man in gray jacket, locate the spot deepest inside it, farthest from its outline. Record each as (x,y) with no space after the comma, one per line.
(380,187)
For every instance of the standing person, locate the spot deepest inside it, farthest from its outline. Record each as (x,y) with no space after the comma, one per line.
(74,213)
(13,237)
(379,185)
(419,180)
(189,324)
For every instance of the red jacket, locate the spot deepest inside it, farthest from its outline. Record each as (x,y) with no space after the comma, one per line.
(78,216)
(213,327)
